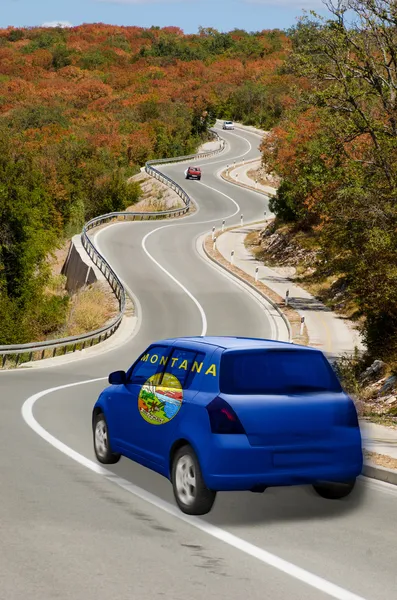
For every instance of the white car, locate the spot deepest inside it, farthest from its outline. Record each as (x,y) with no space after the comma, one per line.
(228,125)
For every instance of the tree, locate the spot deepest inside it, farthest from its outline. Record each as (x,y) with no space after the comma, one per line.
(344,177)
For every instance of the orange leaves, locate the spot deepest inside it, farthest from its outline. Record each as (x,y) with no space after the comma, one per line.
(361,148)
(140,145)
(89,90)
(114,96)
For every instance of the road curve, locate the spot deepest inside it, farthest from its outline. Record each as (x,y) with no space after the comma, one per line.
(72,530)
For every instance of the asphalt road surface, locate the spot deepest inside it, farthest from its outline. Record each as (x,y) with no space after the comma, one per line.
(73,530)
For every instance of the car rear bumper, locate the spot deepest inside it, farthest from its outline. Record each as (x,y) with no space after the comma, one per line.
(235,465)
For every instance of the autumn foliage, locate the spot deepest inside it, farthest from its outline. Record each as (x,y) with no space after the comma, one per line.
(336,151)
(82,109)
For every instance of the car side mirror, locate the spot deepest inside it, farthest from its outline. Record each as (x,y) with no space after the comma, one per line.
(117,378)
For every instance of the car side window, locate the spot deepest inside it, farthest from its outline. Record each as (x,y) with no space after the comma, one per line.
(184,366)
(152,362)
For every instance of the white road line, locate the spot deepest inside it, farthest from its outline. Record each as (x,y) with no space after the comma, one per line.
(193,298)
(275,330)
(239,544)
(174,279)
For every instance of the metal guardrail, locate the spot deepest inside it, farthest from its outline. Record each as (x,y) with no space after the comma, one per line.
(20,353)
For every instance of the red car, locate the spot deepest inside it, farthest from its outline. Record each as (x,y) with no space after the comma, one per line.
(193,173)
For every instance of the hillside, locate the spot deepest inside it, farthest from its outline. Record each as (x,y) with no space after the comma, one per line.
(82,109)
(335,153)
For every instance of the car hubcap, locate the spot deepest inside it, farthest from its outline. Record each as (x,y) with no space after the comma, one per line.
(101,438)
(185,479)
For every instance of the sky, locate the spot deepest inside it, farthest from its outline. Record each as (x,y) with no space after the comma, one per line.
(223,15)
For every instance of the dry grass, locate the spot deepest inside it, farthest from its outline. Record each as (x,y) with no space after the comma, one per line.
(380,459)
(90,308)
(263,178)
(156,196)
(292,316)
(240,184)
(58,259)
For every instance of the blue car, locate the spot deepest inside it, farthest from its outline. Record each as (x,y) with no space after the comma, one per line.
(226,413)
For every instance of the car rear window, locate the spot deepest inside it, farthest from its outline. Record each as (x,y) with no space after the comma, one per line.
(276,372)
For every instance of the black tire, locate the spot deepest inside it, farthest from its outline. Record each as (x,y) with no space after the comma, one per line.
(199,178)
(103,452)
(201,498)
(333,490)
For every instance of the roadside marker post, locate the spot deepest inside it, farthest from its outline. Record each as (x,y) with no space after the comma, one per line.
(302,325)
(242,220)
(214,245)
(232,257)
(256,273)
(213,232)
(286,297)
(223,225)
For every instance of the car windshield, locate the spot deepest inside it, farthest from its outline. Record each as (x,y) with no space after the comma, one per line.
(276,372)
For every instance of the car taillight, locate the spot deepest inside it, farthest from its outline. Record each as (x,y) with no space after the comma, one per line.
(347,416)
(223,419)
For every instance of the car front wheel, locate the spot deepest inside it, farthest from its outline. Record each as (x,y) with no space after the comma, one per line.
(191,494)
(102,448)
(334,491)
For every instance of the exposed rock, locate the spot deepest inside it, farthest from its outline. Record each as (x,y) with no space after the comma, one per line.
(377,369)
(281,248)
(389,384)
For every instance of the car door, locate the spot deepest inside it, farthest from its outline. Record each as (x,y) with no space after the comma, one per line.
(146,370)
(172,391)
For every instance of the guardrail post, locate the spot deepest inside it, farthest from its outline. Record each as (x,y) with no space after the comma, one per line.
(3,362)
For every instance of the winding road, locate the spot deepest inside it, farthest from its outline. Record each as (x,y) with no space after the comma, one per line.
(72,530)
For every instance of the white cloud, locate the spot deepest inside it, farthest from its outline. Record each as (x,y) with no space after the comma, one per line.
(57,24)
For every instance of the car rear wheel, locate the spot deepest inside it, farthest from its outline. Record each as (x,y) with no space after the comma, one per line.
(102,448)
(191,494)
(334,491)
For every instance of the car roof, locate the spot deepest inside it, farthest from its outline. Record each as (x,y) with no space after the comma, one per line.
(237,343)
(195,168)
